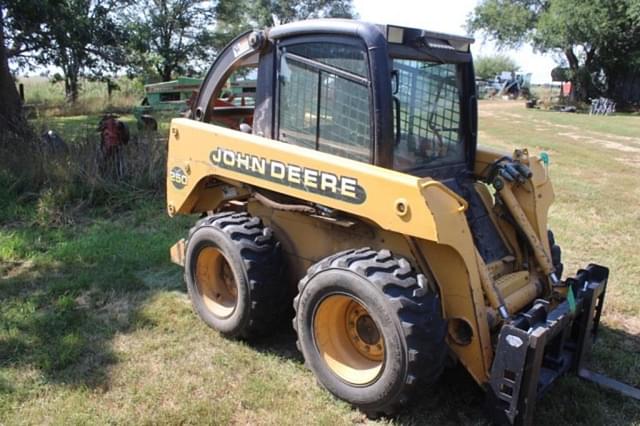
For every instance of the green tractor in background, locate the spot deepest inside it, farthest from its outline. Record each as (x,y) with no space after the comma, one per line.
(173,98)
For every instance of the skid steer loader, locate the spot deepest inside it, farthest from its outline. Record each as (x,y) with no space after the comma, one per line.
(353,186)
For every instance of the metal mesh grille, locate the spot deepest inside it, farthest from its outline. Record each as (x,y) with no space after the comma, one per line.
(344,118)
(340,122)
(299,106)
(429,115)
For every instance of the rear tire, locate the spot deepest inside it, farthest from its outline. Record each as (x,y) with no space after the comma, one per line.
(233,274)
(369,327)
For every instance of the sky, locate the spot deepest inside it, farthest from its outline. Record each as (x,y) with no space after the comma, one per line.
(446,16)
(449,17)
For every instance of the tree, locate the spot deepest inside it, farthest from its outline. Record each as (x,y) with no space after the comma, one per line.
(168,35)
(20,21)
(560,74)
(81,37)
(487,67)
(619,60)
(236,16)
(84,40)
(11,118)
(263,11)
(587,34)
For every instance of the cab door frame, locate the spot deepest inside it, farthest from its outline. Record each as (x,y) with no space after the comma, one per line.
(375,45)
(321,67)
(258,48)
(244,50)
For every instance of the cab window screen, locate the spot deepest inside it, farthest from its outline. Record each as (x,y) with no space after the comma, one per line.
(298,105)
(429,98)
(344,118)
(325,107)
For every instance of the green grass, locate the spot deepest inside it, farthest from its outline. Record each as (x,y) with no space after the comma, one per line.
(625,125)
(78,126)
(96,326)
(50,111)
(73,127)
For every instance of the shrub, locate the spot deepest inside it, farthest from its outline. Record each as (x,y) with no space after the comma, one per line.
(60,182)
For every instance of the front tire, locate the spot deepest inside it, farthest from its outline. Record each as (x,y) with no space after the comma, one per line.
(369,327)
(233,274)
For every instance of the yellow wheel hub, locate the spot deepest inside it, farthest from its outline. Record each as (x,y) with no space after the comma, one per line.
(215,282)
(348,339)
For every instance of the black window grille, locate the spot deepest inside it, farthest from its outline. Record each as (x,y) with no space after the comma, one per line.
(298,105)
(429,97)
(324,102)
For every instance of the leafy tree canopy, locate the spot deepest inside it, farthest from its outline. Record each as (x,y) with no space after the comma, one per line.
(167,36)
(81,37)
(236,16)
(560,74)
(172,37)
(597,38)
(487,67)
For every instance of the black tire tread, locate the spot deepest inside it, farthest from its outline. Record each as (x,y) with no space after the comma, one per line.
(417,308)
(261,255)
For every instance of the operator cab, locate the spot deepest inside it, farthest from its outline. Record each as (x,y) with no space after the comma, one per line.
(385,95)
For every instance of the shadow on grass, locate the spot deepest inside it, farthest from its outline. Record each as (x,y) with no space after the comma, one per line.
(60,315)
(5,386)
(282,343)
(457,399)
(67,335)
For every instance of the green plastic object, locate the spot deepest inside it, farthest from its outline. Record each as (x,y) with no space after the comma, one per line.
(571,299)
(545,158)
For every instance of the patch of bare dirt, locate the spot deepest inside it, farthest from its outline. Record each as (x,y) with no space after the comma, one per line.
(627,323)
(10,270)
(109,307)
(497,105)
(607,143)
(633,162)
(577,132)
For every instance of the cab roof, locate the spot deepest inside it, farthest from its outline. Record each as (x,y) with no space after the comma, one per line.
(372,33)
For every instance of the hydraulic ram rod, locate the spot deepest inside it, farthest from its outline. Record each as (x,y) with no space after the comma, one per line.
(504,190)
(493,294)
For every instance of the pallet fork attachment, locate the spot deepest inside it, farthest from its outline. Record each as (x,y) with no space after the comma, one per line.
(541,345)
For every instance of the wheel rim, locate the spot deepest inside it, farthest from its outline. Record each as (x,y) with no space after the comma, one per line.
(215,282)
(348,339)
